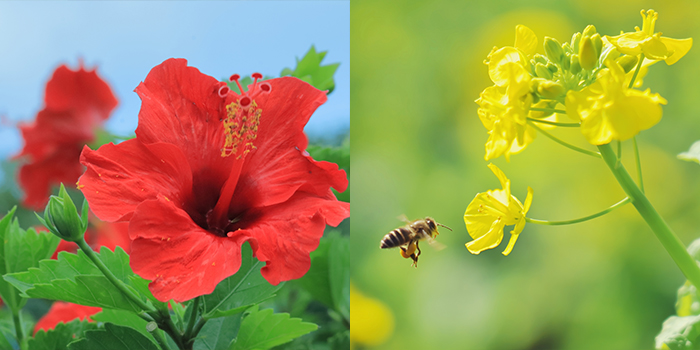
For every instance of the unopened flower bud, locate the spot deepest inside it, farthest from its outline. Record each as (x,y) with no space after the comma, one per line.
(566,48)
(550,89)
(565,63)
(597,43)
(62,219)
(574,65)
(575,40)
(540,59)
(542,71)
(627,62)
(535,82)
(552,48)
(552,67)
(589,31)
(587,55)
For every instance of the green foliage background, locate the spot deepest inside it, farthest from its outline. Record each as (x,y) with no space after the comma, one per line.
(418,150)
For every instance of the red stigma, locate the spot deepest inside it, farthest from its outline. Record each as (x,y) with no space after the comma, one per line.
(245,101)
(257,76)
(234,77)
(266,87)
(223,91)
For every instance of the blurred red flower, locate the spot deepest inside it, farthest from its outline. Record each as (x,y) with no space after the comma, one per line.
(64,312)
(210,169)
(76,103)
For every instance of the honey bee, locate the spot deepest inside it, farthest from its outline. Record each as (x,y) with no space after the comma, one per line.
(407,237)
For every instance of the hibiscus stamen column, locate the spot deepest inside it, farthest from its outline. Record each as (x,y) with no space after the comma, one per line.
(240,129)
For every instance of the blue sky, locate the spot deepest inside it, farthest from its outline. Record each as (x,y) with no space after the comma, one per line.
(124,40)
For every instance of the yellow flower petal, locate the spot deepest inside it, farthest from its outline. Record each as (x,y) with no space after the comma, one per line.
(487,240)
(678,47)
(525,40)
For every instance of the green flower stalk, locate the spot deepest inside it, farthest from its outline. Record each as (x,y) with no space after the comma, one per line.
(62,219)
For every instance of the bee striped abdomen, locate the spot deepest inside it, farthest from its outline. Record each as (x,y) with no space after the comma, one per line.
(396,238)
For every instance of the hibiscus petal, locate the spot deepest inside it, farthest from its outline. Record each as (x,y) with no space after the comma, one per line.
(283,235)
(180,105)
(81,91)
(62,311)
(119,177)
(182,259)
(278,168)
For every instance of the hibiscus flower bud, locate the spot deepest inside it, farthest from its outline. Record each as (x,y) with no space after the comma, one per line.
(62,219)
(552,48)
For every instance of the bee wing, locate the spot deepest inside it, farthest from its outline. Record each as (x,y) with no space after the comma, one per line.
(404,218)
(435,244)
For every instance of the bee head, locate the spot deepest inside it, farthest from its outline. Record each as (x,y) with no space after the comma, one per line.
(431,223)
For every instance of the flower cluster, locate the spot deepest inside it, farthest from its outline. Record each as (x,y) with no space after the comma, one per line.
(592,79)
(210,169)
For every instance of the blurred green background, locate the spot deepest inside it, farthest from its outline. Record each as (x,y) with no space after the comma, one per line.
(418,148)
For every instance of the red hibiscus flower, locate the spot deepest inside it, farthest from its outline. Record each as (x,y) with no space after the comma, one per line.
(64,312)
(76,103)
(210,169)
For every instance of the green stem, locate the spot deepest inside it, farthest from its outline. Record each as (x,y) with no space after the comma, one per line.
(663,232)
(553,110)
(162,318)
(160,339)
(566,125)
(202,321)
(565,144)
(193,318)
(640,180)
(110,276)
(18,329)
(636,70)
(585,218)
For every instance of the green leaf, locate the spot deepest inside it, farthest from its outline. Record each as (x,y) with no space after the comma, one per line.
(264,329)
(693,154)
(74,278)
(237,293)
(19,251)
(328,279)
(123,318)
(679,333)
(309,69)
(59,337)
(317,281)
(218,333)
(339,274)
(113,337)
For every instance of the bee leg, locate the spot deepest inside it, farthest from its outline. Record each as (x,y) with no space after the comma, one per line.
(408,251)
(415,260)
(417,248)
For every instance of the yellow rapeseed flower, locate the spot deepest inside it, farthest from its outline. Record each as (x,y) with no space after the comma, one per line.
(491,211)
(608,110)
(503,111)
(653,45)
(503,108)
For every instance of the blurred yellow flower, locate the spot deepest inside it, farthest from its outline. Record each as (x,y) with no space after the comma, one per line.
(608,110)
(490,212)
(372,321)
(653,45)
